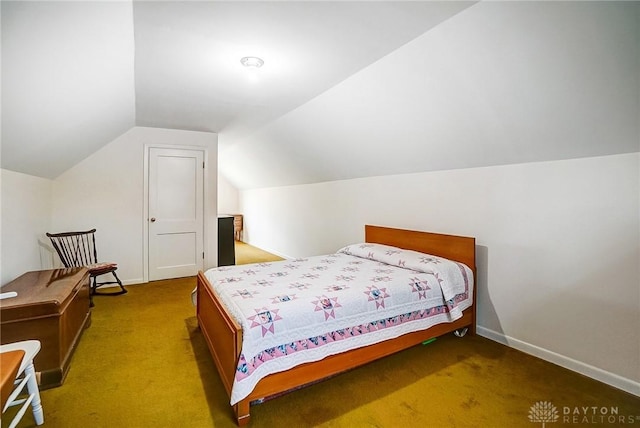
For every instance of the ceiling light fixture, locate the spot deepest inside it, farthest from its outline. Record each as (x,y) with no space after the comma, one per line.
(252,62)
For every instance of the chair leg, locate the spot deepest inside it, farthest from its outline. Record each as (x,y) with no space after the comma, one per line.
(117,281)
(92,290)
(32,387)
(23,409)
(124,291)
(32,400)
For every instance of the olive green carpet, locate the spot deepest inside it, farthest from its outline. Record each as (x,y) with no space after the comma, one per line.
(143,363)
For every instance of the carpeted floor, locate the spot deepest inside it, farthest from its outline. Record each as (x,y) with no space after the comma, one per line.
(246,253)
(144,363)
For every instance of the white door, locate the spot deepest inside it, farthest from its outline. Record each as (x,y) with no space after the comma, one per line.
(176,216)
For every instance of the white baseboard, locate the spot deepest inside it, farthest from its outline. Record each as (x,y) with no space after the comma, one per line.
(132,281)
(604,376)
(268,250)
(125,282)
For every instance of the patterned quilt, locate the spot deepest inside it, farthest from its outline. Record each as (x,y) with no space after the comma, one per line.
(302,310)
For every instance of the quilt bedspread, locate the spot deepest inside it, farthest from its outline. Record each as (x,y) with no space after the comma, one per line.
(302,310)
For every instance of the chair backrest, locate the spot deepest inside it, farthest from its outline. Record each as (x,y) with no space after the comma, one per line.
(75,248)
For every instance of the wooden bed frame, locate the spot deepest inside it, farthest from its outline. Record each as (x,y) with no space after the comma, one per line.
(224,335)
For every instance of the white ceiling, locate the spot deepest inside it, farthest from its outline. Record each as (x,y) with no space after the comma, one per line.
(499,83)
(348,89)
(69,84)
(188,71)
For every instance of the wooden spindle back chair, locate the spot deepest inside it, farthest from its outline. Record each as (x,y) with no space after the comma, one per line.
(77,249)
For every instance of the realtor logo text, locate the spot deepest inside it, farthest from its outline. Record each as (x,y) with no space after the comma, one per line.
(546,412)
(596,415)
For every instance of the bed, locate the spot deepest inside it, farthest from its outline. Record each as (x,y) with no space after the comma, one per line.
(217,316)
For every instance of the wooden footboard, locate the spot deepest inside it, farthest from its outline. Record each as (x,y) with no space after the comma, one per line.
(224,339)
(221,332)
(224,335)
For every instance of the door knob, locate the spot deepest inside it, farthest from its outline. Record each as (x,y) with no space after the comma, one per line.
(152,219)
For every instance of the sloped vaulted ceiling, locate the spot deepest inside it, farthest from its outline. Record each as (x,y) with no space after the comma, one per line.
(348,89)
(188,71)
(69,85)
(499,83)
(67,82)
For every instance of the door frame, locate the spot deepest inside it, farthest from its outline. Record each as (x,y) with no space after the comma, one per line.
(145,214)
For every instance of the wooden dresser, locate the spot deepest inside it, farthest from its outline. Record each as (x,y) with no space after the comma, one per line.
(237,226)
(52,306)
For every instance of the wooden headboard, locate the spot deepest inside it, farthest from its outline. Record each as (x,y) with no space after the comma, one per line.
(459,248)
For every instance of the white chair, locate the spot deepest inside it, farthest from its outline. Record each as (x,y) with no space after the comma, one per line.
(26,377)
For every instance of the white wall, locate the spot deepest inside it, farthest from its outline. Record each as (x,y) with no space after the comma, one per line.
(558,246)
(26,217)
(228,196)
(106,190)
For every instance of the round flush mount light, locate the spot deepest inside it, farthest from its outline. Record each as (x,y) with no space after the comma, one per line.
(252,62)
